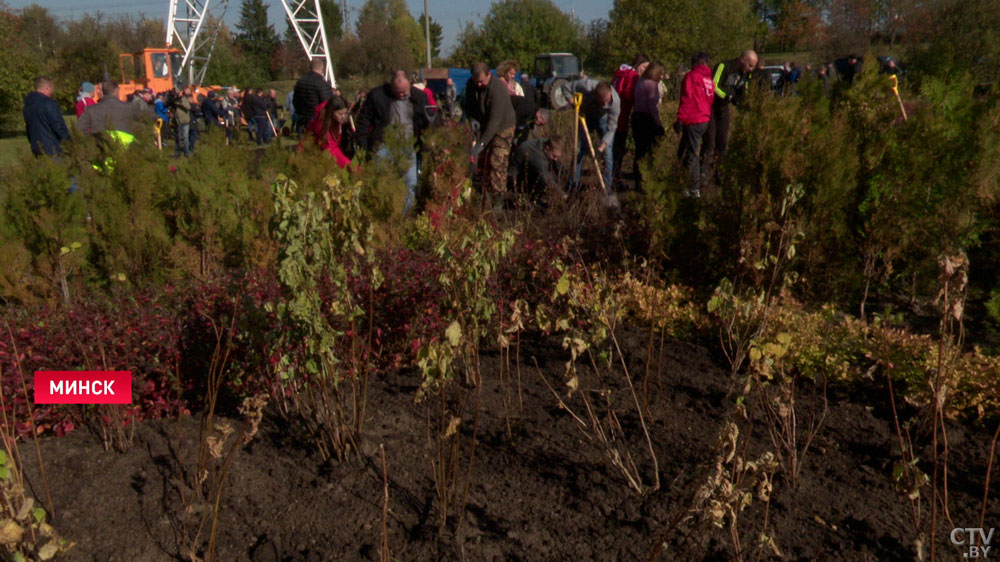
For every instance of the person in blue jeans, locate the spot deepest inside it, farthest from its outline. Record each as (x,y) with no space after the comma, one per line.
(601,108)
(182,118)
(398,103)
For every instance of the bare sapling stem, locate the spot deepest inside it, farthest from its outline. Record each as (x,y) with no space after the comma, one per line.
(384,554)
(989,470)
(642,419)
(34,431)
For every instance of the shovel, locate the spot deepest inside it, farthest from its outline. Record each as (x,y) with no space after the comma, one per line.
(895,90)
(159,137)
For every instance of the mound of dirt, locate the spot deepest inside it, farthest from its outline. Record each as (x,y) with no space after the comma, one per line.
(547,490)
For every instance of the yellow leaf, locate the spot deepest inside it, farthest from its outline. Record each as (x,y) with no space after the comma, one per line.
(755,354)
(562,287)
(63,251)
(454,333)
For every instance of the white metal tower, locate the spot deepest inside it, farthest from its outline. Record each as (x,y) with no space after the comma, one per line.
(307,21)
(194,24)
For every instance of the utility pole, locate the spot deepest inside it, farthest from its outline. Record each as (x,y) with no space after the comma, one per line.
(427,32)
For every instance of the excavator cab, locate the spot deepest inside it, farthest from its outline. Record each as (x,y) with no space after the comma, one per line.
(152,68)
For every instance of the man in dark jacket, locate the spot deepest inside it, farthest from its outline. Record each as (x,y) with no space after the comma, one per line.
(43,120)
(212,112)
(110,114)
(487,102)
(730,79)
(535,168)
(260,107)
(310,91)
(396,102)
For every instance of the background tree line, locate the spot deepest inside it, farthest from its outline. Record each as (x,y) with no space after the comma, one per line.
(935,35)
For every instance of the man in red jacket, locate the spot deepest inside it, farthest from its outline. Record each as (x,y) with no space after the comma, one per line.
(693,115)
(624,83)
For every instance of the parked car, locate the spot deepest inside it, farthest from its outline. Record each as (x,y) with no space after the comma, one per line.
(774,74)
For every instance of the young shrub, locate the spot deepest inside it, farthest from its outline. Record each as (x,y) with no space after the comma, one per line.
(43,238)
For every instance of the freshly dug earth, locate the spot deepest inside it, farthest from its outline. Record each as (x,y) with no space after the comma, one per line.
(546,491)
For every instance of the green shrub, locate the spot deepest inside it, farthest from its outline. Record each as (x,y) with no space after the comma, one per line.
(43,238)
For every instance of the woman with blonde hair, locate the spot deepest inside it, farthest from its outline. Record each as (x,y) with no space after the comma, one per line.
(507,71)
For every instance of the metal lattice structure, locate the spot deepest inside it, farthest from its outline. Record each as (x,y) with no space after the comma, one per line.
(194,25)
(307,20)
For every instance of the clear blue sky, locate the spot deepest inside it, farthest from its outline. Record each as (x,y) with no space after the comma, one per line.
(451,14)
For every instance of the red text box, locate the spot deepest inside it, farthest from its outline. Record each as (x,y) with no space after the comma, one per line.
(83,387)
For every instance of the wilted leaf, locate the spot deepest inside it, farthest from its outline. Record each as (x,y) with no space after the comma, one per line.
(48,551)
(10,532)
(784,338)
(573,384)
(454,333)
(63,251)
(25,510)
(755,354)
(452,427)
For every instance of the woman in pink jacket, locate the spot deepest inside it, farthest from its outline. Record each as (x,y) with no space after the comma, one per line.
(693,115)
(331,131)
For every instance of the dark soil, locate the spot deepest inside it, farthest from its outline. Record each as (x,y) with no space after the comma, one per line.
(546,492)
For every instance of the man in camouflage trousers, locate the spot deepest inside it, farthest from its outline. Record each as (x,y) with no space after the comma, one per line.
(488,103)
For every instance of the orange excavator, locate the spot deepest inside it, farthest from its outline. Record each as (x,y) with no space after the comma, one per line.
(193,25)
(152,68)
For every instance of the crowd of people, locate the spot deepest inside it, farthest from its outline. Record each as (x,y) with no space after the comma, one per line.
(513,149)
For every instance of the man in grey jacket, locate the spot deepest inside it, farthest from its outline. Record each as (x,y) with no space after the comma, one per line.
(601,108)
(110,115)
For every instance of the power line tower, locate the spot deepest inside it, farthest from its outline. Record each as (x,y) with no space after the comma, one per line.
(307,21)
(194,24)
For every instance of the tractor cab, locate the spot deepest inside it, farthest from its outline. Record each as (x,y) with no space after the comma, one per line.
(152,68)
(553,73)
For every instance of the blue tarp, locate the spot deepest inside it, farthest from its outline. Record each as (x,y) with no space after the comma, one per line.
(460,76)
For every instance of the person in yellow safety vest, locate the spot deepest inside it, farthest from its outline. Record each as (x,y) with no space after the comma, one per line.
(112,119)
(111,114)
(730,79)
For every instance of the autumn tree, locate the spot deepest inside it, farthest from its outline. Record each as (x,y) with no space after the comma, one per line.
(17,71)
(519,30)
(672,30)
(388,36)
